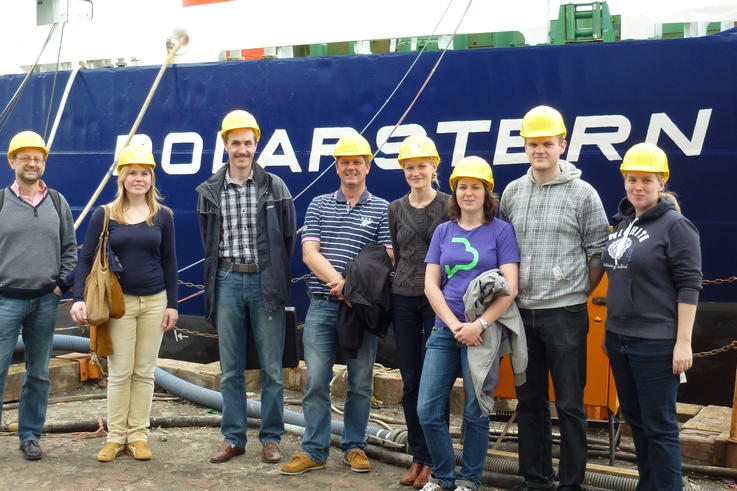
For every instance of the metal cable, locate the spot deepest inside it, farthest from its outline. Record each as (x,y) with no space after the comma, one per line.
(391,95)
(53,83)
(10,106)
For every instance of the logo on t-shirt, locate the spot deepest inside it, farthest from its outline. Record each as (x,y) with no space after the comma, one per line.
(450,272)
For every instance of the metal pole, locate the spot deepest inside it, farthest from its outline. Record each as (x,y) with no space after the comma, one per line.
(731,450)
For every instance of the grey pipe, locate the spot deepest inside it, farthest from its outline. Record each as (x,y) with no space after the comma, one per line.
(498,467)
(200,395)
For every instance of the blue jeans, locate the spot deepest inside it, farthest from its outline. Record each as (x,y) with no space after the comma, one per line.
(320,340)
(413,320)
(443,358)
(556,343)
(643,371)
(37,316)
(239,305)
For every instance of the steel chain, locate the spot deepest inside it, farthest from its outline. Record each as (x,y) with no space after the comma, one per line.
(191,285)
(720,281)
(727,347)
(196,333)
(301,278)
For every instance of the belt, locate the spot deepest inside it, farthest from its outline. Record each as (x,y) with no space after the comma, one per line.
(238,268)
(322,296)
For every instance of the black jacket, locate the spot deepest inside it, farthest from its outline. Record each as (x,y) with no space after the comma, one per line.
(276,224)
(653,263)
(368,288)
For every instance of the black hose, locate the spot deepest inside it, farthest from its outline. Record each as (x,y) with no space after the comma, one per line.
(94,425)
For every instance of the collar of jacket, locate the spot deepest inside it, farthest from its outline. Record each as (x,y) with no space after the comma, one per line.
(211,188)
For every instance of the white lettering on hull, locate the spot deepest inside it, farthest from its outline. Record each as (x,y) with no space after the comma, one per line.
(601,131)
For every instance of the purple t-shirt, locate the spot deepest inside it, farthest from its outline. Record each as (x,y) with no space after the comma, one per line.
(465,254)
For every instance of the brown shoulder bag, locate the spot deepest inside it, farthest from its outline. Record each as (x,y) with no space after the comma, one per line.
(103,295)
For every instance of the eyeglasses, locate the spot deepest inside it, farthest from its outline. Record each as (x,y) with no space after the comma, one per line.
(27,160)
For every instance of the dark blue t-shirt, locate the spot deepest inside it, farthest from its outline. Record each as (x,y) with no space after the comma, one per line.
(465,254)
(146,253)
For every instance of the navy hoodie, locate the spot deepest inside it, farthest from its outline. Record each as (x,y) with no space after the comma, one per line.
(653,262)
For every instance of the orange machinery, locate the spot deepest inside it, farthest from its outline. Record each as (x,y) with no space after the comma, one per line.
(600,395)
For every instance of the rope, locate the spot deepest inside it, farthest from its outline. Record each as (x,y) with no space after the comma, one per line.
(391,95)
(172,53)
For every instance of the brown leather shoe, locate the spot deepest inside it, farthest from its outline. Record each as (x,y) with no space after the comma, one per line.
(408,478)
(226,452)
(422,477)
(270,453)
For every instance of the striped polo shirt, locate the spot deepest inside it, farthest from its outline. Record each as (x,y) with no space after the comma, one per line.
(342,230)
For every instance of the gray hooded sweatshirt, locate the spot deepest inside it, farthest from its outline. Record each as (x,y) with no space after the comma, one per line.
(559,225)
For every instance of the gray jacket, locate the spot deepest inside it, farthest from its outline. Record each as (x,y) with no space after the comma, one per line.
(276,225)
(505,336)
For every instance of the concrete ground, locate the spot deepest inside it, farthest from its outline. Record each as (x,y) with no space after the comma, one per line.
(181,457)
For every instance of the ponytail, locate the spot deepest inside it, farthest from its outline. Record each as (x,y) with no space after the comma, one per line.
(672,197)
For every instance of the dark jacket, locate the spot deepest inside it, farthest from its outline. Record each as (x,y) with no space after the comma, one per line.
(368,288)
(276,223)
(653,262)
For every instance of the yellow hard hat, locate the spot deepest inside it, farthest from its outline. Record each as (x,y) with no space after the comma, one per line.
(352,144)
(26,139)
(542,121)
(417,146)
(475,167)
(240,119)
(645,157)
(135,154)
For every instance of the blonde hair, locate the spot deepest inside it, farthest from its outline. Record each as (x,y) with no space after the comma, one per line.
(121,203)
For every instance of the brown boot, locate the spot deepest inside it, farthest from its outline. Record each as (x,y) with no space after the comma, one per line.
(422,477)
(408,478)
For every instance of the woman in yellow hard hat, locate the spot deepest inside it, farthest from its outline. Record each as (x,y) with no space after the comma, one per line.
(412,221)
(653,262)
(473,242)
(141,235)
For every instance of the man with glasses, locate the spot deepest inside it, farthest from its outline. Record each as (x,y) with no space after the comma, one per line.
(38,247)
(248,227)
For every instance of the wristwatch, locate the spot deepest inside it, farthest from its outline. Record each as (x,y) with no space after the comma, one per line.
(484,324)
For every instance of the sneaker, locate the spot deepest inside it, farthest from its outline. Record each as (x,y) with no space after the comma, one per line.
(357,459)
(110,451)
(299,464)
(139,450)
(464,488)
(431,486)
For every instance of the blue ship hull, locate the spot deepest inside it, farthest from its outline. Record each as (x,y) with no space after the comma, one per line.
(681,94)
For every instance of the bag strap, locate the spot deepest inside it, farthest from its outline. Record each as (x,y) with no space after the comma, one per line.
(404,203)
(104,235)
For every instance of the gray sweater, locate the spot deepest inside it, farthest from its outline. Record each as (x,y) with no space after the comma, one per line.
(559,225)
(38,249)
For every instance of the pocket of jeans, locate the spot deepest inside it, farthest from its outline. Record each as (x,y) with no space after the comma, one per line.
(575,309)
(222,274)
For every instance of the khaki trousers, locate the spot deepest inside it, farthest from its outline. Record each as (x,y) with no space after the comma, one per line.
(136,341)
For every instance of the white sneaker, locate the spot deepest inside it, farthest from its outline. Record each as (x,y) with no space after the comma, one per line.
(431,486)
(463,488)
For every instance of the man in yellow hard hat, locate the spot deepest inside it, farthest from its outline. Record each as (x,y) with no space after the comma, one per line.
(248,227)
(337,226)
(38,247)
(561,227)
